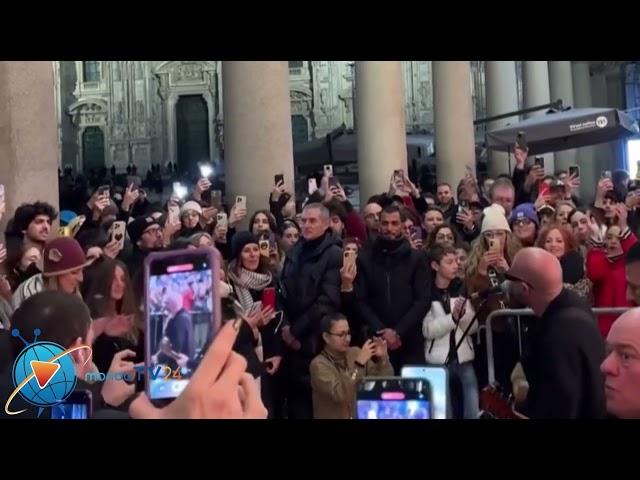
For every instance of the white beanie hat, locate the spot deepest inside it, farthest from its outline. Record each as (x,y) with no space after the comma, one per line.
(494,219)
(195,206)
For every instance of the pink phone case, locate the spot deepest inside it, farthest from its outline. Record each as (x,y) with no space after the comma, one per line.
(214,262)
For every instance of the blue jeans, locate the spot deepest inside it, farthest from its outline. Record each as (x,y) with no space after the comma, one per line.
(466,375)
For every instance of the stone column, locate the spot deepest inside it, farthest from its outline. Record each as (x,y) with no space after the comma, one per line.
(28,134)
(535,87)
(603,158)
(502,97)
(257,130)
(561,86)
(453,118)
(589,172)
(381,131)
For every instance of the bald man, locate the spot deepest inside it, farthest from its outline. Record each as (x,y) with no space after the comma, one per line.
(622,367)
(178,329)
(562,360)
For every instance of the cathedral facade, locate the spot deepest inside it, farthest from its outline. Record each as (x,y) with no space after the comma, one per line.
(112,113)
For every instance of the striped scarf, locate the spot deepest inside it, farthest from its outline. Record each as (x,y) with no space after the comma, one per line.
(245,281)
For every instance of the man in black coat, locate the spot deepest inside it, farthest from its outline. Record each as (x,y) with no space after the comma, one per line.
(311,290)
(563,356)
(393,291)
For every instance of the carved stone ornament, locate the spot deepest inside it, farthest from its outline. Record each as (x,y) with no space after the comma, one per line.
(187,72)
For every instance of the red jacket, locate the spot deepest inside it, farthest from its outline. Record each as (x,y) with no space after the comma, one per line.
(609,281)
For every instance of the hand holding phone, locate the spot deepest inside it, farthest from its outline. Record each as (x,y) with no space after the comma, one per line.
(179,190)
(117,233)
(349,258)
(216,199)
(521,140)
(222,220)
(206,170)
(312,186)
(241,202)
(269,297)
(574,171)
(178,283)
(416,233)
(264,248)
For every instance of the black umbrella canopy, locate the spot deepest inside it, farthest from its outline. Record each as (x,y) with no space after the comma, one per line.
(556,131)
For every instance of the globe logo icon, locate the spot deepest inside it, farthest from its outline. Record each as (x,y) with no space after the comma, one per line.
(58,386)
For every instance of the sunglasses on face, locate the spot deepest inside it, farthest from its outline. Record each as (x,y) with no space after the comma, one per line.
(523,222)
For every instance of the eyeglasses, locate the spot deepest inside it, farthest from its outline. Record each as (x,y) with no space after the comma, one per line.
(444,237)
(341,334)
(523,222)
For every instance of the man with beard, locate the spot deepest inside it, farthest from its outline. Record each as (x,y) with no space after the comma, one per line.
(393,291)
(146,237)
(562,359)
(32,223)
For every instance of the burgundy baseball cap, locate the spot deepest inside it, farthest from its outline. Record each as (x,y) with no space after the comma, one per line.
(62,255)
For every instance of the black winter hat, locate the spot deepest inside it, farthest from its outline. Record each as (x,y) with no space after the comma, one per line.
(240,240)
(136,228)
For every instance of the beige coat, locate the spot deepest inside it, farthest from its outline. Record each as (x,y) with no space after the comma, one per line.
(334,382)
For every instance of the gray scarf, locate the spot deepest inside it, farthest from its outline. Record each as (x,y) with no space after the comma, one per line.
(245,281)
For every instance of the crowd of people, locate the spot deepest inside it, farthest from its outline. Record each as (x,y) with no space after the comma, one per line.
(410,280)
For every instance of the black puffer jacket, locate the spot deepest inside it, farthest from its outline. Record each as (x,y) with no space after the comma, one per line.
(392,288)
(311,284)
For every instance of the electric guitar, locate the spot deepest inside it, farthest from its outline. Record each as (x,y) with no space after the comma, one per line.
(496,405)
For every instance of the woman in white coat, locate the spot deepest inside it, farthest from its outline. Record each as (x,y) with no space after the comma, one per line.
(444,325)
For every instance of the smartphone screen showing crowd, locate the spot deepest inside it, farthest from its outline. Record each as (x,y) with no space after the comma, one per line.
(182,317)
(394,399)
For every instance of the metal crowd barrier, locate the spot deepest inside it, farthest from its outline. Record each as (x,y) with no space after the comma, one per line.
(524,312)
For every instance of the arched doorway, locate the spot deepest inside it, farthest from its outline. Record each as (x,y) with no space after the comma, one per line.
(192,125)
(92,149)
